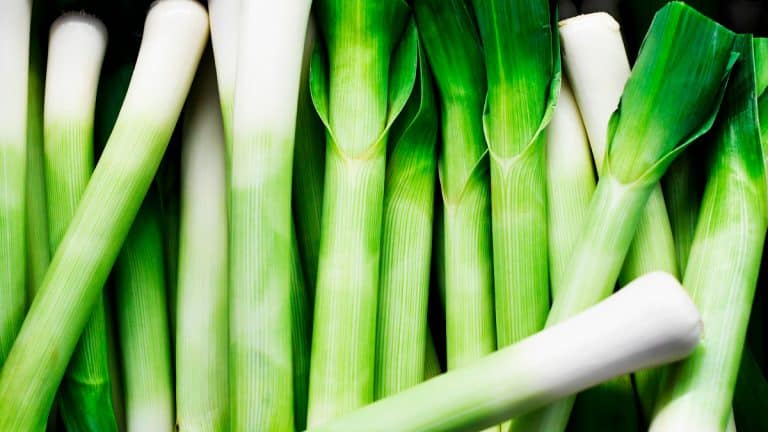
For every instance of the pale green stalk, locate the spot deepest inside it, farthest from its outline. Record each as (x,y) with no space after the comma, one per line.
(596,62)
(202,385)
(15,18)
(142,315)
(38,248)
(611,338)
(174,37)
(301,336)
(75,55)
(406,238)
(570,184)
(308,169)
(724,262)
(670,99)
(463,246)
(522,60)
(264,120)
(359,83)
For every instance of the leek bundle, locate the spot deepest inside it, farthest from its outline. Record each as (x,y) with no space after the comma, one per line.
(612,338)
(725,260)
(75,54)
(174,37)
(453,49)
(202,387)
(15,16)
(406,237)
(522,59)
(360,82)
(264,118)
(670,99)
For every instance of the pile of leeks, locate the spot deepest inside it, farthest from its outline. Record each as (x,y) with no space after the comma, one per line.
(348,215)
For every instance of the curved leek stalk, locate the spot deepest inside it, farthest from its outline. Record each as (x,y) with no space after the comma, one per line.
(359,84)
(409,191)
(724,262)
(202,387)
(75,54)
(143,325)
(643,139)
(15,18)
(612,338)
(464,248)
(523,83)
(174,37)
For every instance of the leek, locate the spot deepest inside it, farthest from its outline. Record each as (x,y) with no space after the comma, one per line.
(359,83)
(15,16)
(143,325)
(174,36)
(308,170)
(570,184)
(463,234)
(202,388)
(596,62)
(409,191)
(683,197)
(264,117)
(523,68)
(75,54)
(724,262)
(301,335)
(609,339)
(38,248)
(225,20)
(670,99)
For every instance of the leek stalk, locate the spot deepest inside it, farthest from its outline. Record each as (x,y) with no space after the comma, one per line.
(202,385)
(143,324)
(611,338)
(463,234)
(359,83)
(75,55)
(15,16)
(523,83)
(174,36)
(685,83)
(725,260)
(406,249)
(263,123)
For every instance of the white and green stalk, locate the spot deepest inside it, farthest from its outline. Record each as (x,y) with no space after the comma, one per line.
(596,62)
(360,81)
(143,325)
(38,247)
(308,169)
(523,74)
(643,139)
(264,120)
(75,54)
(406,238)
(202,384)
(225,29)
(570,184)
(723,267)
(15,17)
(463,232)
(612,338)
(174,37)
